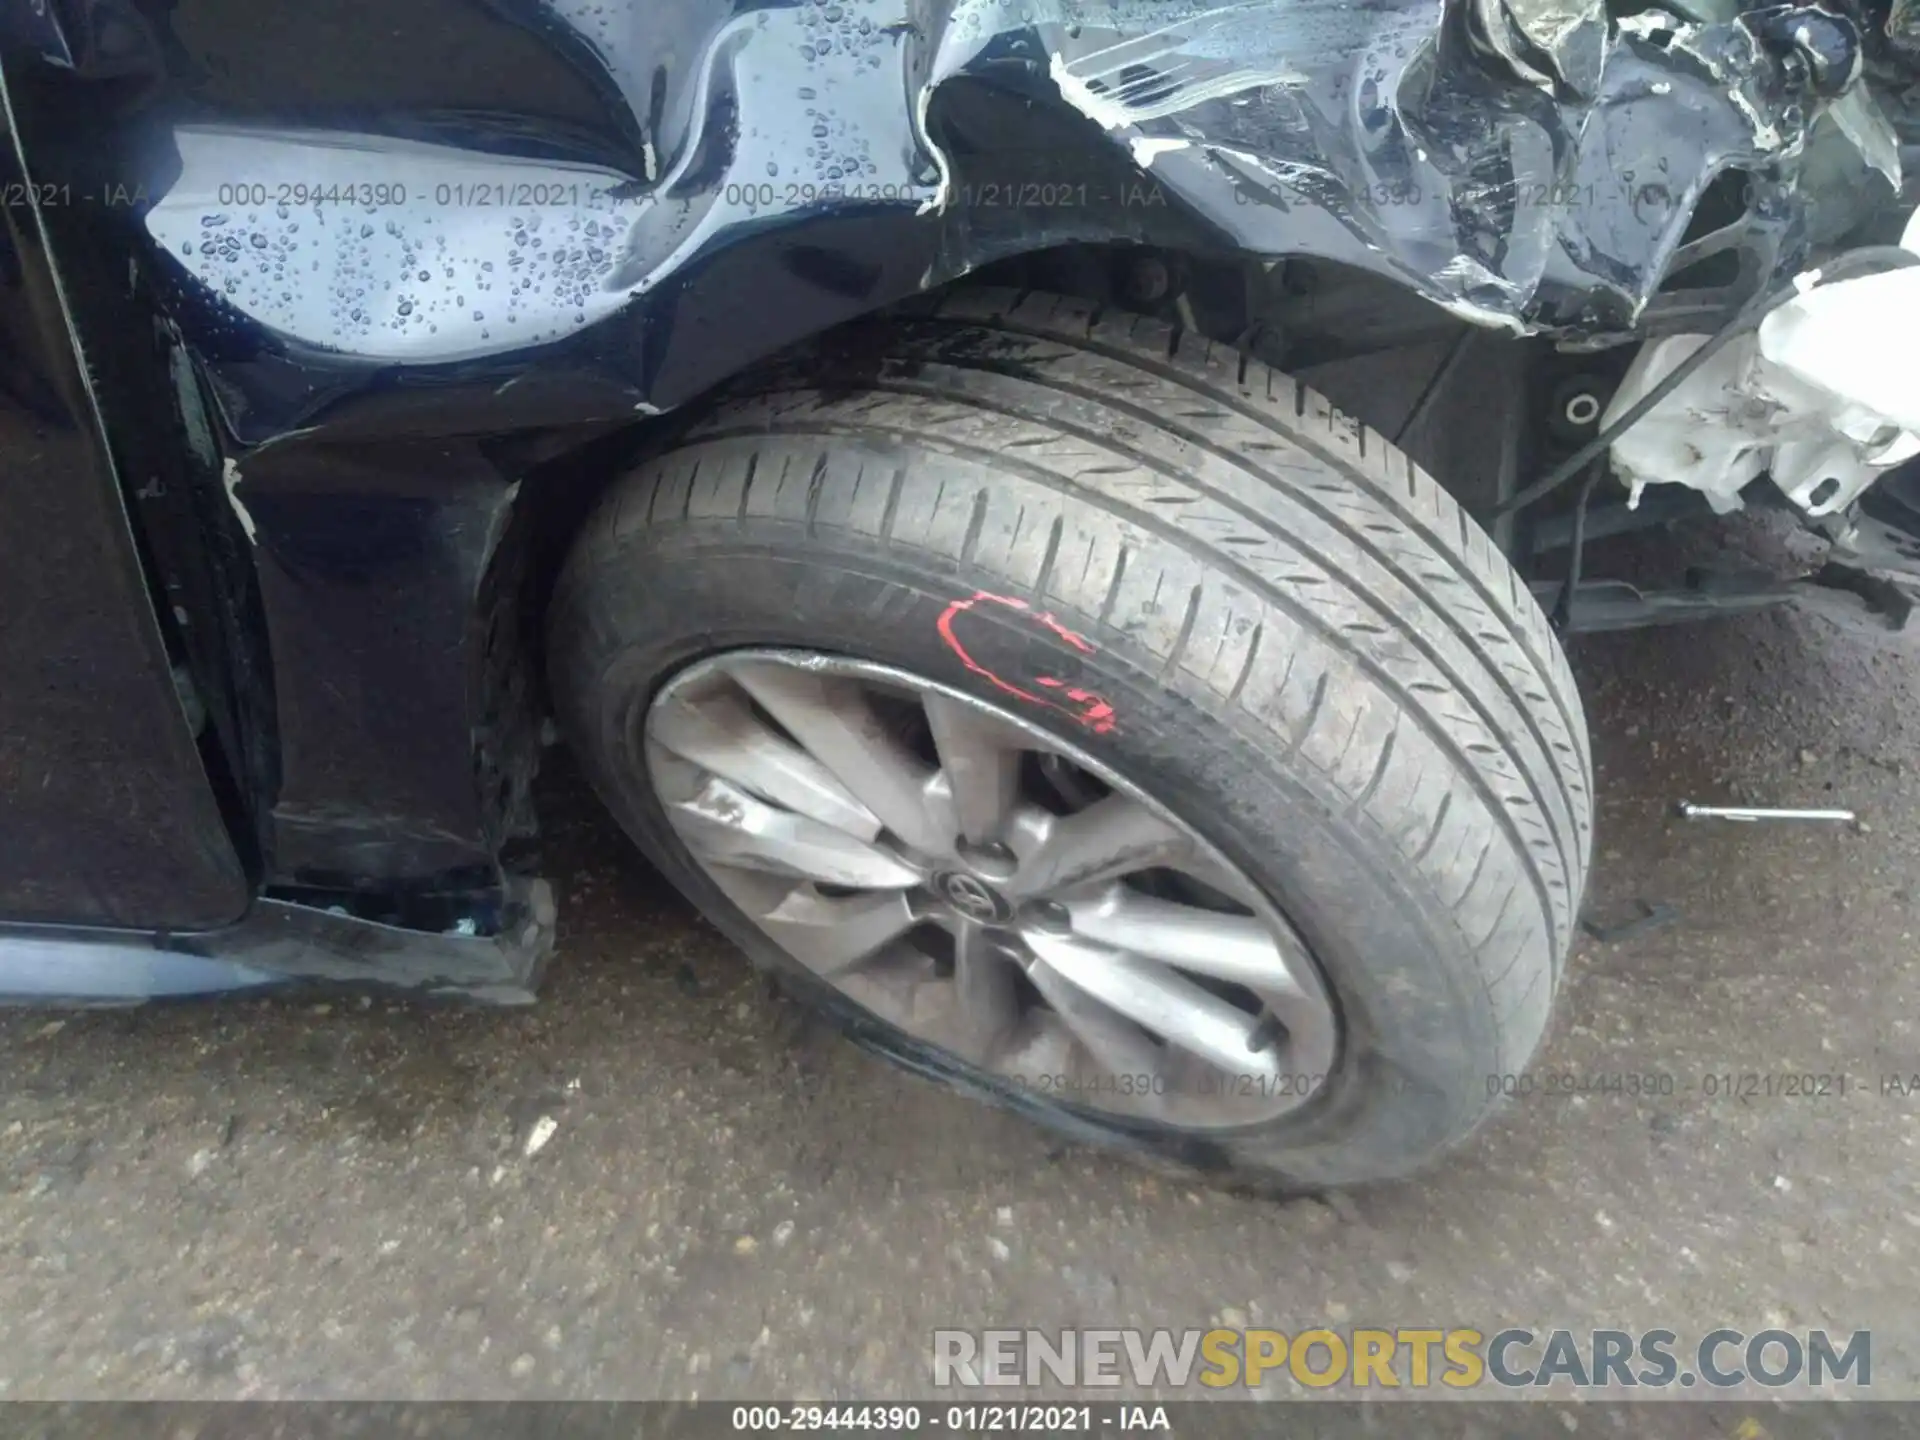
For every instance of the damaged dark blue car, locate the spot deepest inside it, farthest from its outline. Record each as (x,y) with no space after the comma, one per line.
(1052,522)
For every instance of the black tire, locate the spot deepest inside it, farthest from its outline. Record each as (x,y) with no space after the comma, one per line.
(1313,655)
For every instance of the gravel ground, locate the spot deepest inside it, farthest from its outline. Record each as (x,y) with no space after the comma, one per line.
(333,1197)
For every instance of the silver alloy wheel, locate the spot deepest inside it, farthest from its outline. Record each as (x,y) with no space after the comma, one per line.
(989,889)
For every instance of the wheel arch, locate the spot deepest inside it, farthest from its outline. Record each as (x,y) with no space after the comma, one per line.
(1287,313)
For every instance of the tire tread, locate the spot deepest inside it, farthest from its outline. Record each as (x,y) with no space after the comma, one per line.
(1290,570)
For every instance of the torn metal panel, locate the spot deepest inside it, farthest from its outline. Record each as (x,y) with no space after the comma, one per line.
(1559,45)
(1546,184)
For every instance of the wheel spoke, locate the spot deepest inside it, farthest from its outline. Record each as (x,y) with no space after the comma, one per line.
(1108,839)
(1117,1045)
(981,760)
(983,981)
(1227,947)
(1160,1001)
(834,723)
(832,935)
(720,734)
(725,825)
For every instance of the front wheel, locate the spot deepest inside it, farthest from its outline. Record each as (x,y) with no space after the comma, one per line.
(1110,730)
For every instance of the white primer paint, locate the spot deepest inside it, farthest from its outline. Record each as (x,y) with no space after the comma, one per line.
(1148,148)
(230,478)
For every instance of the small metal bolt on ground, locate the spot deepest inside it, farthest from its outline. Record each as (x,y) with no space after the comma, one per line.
(1747,813)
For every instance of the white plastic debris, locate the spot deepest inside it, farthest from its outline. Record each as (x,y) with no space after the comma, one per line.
(1824,397)
(543,1131)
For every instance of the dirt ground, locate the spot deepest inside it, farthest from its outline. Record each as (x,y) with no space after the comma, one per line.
(332,1197)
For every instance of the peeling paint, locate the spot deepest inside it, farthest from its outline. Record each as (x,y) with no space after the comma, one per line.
(1146,149)
(230,478)
(943,193)
(1165,72)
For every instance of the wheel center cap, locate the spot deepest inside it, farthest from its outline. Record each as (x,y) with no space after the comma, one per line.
(972,897)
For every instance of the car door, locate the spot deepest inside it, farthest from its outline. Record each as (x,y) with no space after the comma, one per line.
(107,817)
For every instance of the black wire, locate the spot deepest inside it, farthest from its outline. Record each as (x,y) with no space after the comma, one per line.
(1563,611)
(1442,372)
(1745,318)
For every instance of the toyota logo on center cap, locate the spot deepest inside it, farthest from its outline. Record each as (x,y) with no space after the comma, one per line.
(973,897)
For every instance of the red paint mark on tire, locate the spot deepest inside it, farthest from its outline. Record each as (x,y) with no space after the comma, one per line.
(1095,712)
(1083,706)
